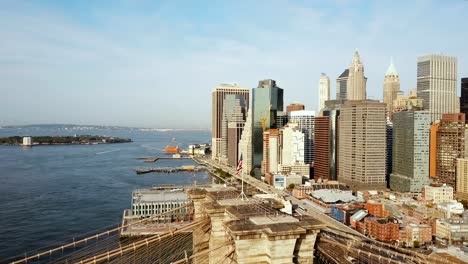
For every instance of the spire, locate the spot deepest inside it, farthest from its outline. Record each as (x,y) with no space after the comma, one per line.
(391,69)
(356,58)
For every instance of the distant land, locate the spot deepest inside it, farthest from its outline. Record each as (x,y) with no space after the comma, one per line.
(99,127)
(64,140)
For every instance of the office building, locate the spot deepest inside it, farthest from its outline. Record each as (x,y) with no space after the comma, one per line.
(305,123)
(218,95)
(448,146)
(234,116)
(292,145)
(322,148)
(282,119)
(462,178)
(342,85)
(389,152)
(294,107)
(362,144)
(410,151)
(332,110)
(267,100)
(391,88)
(271,151)
(356,85)
(437,193)
(245,145)
(324,91)
(437,84)
(464,96)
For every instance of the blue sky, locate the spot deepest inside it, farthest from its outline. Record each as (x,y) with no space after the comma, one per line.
(154,63)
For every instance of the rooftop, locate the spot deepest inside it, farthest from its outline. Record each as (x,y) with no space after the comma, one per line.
(335,196)
(150,196)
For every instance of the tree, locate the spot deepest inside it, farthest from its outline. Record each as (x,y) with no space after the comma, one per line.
(416,244)
(291,186)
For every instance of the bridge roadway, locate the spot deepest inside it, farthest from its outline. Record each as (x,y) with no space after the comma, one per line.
(309,210)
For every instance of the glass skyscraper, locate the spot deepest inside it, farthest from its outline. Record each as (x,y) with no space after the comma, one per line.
(267,100)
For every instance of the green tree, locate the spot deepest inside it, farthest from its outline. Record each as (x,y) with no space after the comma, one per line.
(291,186)
(416,244)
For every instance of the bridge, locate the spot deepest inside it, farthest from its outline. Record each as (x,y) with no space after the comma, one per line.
(227,229)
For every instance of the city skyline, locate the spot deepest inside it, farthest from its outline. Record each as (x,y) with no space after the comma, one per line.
(126,64)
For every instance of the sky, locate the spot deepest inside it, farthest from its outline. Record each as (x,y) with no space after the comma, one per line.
(154,63)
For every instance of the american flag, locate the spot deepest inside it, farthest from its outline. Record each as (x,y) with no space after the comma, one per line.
(239,166)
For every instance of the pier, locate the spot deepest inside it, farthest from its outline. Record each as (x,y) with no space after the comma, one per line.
(154,159)
(170,169)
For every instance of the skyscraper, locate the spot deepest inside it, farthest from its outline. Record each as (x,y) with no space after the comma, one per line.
(342,85)
(305,122)
(362,144)
(449,146)
(356,85)
(324,90)
(410,151)
(234,116)
(437,84)
(332,110)
(322,148)
(391,88)
(267,100)
(218,95)
(464,96)
(245,145)
(389,152)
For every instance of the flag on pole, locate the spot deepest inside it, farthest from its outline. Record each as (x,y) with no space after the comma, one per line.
(239,166)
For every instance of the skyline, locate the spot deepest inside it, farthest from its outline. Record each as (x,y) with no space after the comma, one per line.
(142,64)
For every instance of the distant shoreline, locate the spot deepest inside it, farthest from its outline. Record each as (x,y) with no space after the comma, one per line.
(61,140)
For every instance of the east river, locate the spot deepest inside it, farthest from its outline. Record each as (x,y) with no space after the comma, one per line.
(51,194)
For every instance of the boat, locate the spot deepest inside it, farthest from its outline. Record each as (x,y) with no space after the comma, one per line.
(173,139)
(172,149)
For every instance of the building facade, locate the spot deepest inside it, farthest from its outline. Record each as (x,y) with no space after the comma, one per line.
(332,110)
(386,230)
(218,95)
(356,84)
(324,91)
(410,151)
(437,84)
(267,100)
(437,193)
(292,145)
(450,146)
(464,96)
(245,146)
(305,121)
(271,151)
(389,152)
(342,85)
(391,88)
(462,178)
(322,148)
(362,144)
(411,101)
(294,107)
(234,116)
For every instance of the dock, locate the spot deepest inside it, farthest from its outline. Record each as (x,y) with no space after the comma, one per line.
(170,169)
(154,159)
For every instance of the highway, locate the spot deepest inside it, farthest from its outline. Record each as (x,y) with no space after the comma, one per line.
(309,210)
